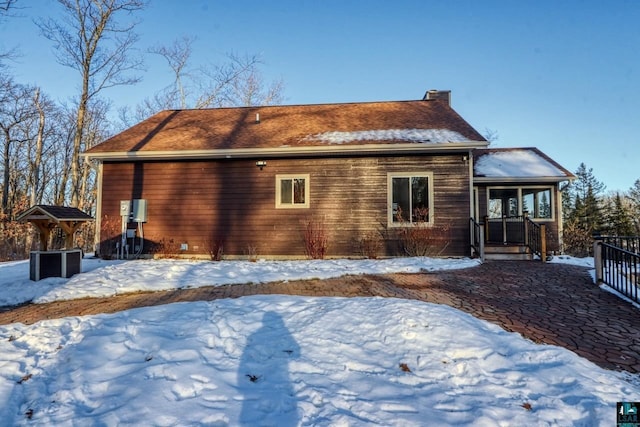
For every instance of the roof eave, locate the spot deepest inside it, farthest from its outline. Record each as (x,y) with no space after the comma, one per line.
(522,179)
(313,151)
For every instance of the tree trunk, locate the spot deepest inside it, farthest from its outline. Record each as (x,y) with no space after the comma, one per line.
(35,166)
(7,171)
(76,175)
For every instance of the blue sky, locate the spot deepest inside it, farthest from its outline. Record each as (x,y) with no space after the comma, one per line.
(561,76)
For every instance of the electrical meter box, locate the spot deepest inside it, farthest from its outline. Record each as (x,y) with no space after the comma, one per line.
(139,210)
(125,207)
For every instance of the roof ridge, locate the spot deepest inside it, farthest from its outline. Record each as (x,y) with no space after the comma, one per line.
(249,107)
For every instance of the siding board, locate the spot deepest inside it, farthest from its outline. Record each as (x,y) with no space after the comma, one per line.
(195,201)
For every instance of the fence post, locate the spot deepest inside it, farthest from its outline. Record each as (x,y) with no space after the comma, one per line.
(597,258)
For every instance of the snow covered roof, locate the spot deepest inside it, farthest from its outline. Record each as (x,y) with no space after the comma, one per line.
(408,135)
(524,164)
(422,125)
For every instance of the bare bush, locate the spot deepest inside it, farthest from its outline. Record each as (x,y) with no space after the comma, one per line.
(165,248)
(371,244)
(420,238)
(215,248)
(15,237)
(251,252)
(577,239)
(315,239)
(110,233)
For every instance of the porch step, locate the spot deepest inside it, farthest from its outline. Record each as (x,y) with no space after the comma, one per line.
(507,252)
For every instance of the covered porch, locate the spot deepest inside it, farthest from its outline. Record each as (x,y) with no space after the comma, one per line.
(517,204)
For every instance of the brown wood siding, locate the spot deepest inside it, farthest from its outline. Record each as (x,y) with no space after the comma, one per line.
(233,200)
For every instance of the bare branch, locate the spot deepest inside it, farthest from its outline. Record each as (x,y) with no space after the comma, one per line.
(94,39)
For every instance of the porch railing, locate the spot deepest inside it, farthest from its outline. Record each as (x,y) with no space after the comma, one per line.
(629,243)
(518,230)
(477,239)
(535,238)
(617,267)
(505,230)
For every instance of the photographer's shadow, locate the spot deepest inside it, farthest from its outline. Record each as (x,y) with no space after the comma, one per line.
(263,375)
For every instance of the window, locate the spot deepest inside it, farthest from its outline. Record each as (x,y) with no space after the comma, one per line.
(510,202)
(537,201)
(410,198)
(503,202)
(292,191)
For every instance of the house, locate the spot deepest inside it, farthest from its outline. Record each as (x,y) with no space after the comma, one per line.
(270,181)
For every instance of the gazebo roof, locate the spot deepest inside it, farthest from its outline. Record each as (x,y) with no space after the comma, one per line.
(47,218)
(54,214)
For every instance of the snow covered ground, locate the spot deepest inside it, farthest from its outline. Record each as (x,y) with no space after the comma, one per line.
(106,278)
(283,360)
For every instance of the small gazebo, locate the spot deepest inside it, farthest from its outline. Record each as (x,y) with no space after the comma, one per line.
(63,263)
(46,218)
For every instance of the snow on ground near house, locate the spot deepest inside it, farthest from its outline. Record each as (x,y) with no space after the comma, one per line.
(283,360)
(410,135)
(106,278)
(514,163)
(287,360)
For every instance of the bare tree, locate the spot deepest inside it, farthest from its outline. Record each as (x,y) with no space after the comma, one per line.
(5,10)
(91,40)
(490,135)
(36,161)
(15,109)
(236,82)
(5,5)
(177,55)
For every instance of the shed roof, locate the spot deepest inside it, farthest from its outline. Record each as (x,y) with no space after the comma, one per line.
(289,128)
(517,164)
(54,214)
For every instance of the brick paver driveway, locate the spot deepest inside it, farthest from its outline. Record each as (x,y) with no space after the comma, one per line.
(547,303)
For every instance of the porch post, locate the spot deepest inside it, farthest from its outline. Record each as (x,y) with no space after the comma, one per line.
(525,215)
(543,243)
(504,229)
(486,227)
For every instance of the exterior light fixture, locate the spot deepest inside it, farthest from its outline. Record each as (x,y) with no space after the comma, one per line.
(261,164)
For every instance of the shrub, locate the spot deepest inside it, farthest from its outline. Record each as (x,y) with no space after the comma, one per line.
(421,239)
(215,248)
(110,235)
(577,239)
(251,252)
(165,248)
(315,239)
(16,238)
(370,244)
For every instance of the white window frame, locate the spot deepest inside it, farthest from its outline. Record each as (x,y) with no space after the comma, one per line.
(390,210)
(520,199)
(307,194)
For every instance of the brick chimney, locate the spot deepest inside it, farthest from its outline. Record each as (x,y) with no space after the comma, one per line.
(438,94)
